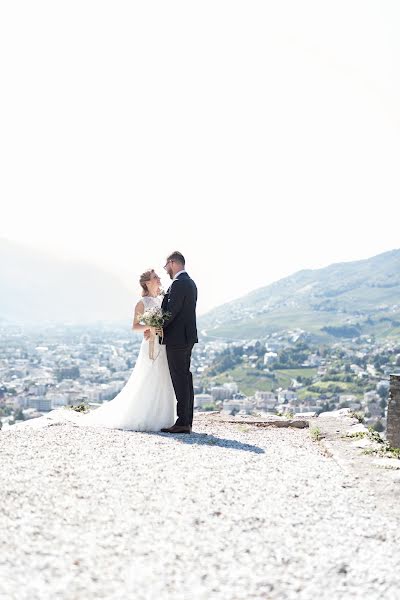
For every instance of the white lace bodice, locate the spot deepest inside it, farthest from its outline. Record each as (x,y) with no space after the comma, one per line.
(150,302)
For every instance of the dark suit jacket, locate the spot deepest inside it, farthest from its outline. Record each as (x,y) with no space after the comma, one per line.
(180,328)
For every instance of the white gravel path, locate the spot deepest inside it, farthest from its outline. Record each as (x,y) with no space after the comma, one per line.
(229,512)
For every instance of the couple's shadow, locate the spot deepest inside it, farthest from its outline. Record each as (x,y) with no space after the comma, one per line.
(206,439)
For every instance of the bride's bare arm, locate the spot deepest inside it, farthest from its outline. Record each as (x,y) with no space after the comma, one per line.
(139,310)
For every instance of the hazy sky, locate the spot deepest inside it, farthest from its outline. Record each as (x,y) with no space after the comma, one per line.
(258,138)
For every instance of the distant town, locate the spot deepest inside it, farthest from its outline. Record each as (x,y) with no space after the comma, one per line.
(47,367)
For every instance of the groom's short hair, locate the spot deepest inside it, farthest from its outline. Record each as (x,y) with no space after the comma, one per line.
(177,257)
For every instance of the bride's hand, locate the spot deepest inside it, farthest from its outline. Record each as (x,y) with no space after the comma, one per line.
(146,334)
(151,332)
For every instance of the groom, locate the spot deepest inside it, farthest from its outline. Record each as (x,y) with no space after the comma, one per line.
(180,335)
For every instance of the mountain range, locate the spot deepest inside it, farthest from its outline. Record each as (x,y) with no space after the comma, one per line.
(343,300)
(36,287)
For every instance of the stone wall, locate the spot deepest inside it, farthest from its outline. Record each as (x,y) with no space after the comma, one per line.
(393,415)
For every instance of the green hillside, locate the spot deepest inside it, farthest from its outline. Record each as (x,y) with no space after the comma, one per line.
(343,300)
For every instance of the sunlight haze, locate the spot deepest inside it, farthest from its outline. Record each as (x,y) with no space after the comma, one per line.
(258,138)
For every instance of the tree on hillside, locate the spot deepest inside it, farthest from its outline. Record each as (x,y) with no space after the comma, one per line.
(383,392)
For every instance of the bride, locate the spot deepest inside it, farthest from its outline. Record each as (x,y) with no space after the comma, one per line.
(147,402)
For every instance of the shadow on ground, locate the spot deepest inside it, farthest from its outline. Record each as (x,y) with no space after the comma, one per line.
(205,439)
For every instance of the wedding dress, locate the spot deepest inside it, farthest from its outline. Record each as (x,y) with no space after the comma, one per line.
(146,403)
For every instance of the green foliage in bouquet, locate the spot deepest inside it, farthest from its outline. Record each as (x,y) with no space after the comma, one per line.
(154,317)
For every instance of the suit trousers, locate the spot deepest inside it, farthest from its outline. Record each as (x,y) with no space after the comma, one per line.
(179,365)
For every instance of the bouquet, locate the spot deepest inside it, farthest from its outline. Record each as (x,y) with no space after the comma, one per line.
(154,318)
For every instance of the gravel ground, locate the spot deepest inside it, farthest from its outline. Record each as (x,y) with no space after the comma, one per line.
(229,512)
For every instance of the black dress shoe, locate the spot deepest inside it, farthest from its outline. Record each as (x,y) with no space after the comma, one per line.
(177,429)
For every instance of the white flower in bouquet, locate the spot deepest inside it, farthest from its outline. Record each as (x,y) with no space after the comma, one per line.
(154,317)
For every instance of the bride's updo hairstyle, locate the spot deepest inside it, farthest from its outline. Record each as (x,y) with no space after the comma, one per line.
(146,276)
